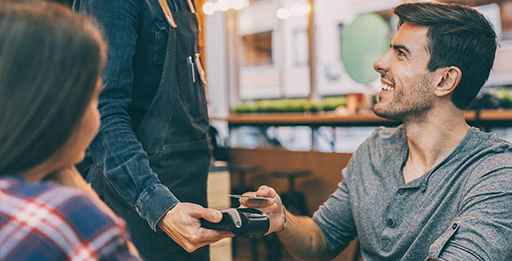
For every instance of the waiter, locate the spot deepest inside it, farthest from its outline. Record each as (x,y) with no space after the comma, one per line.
(152,152)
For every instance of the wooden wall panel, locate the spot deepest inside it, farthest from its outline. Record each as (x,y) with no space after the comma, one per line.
(325,167)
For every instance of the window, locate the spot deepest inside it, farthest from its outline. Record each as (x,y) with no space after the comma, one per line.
(257,49)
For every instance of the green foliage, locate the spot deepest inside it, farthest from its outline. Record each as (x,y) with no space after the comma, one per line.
(289,105)
(505,97)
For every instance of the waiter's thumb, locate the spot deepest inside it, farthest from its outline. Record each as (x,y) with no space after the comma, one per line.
(211,215)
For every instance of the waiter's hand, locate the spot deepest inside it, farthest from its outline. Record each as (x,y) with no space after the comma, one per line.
(182,224)
(273,207)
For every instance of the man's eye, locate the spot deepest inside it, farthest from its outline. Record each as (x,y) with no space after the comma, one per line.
(400,53)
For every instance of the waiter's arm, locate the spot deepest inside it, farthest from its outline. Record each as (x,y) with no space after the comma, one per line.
(116,150)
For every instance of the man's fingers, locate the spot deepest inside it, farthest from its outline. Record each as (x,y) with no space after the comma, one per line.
(201,237)
(249,194)
(270,209)
(256,203)
(261,202)
(211,215)
(211,236)
(266,191)
(183,226)
(263,191)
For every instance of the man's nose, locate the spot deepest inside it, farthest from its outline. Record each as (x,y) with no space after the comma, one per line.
(381,65)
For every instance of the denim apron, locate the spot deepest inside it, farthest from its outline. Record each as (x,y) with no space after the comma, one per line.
(174,133)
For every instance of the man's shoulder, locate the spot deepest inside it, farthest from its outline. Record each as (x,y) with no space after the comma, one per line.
(491,157)
(495,152)
(497,158)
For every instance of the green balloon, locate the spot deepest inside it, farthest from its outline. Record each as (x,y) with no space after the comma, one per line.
(362,43)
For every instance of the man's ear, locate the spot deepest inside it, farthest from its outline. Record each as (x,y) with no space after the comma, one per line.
(450,79)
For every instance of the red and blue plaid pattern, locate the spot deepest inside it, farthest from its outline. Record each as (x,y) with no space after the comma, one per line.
(44,221)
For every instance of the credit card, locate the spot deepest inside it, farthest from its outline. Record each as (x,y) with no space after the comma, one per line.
(248,197)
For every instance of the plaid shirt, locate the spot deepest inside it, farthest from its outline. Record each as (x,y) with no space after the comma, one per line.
(44,221)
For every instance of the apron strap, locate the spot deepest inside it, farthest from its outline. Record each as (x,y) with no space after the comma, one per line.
(167,12)
(191,5)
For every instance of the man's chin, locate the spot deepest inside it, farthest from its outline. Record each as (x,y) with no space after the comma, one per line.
(385,114)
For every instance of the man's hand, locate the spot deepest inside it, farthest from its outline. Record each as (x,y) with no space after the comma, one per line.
(272,207)
(182,224)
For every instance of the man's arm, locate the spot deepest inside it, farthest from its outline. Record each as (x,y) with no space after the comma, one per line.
(303,238)
(483,228)
(116,150)
(319,238)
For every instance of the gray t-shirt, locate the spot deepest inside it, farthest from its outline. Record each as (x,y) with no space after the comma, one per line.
(459,210)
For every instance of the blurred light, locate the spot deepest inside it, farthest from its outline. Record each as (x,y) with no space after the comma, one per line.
(246,3)
(238,4)
(224,5)
(283,13)
(209,8)
(308,8)
(299,10)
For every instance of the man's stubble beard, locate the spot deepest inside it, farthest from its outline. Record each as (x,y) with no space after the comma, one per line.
(408,107)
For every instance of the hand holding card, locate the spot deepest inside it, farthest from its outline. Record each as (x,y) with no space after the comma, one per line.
(248,197)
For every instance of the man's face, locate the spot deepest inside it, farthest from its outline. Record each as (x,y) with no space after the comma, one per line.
(407,85)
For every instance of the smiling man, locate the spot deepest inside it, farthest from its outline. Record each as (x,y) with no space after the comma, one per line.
(433,188)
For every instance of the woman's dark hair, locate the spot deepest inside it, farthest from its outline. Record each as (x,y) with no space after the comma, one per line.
(67,3)
(50,60)
(457,36)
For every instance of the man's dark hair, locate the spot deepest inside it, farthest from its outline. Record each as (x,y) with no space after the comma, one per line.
(457,36)
(50,61)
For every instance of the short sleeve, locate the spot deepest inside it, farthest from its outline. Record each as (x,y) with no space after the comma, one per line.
(334,217)
(483,228)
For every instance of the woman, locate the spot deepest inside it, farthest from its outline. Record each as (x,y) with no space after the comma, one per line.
(50,65)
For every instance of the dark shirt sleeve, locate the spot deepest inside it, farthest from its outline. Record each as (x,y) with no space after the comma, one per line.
(483,228)
(116,150)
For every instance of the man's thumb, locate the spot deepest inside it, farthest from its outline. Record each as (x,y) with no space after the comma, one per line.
(212,215)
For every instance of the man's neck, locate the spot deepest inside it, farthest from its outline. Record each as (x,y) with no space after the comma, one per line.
(431,140)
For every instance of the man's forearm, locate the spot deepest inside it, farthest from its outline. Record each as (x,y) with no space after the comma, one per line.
(303,238)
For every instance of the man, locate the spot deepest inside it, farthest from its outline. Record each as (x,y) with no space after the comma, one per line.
(433,188)
(152,152)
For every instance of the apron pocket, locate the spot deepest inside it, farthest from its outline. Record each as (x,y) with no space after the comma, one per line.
(191,92)
(160,46)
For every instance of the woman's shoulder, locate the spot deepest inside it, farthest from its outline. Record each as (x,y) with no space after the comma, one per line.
(64,216)
(18,187)
(67,204)
(46,194)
